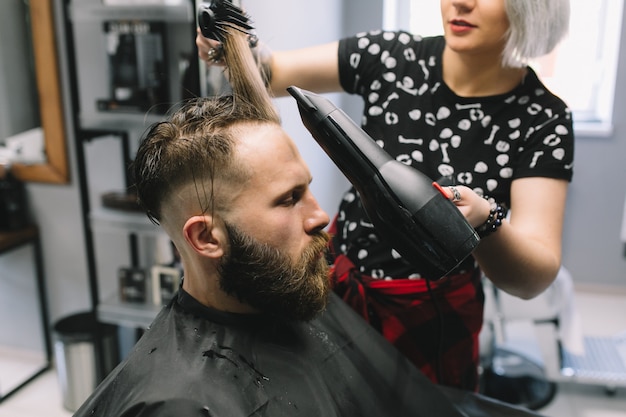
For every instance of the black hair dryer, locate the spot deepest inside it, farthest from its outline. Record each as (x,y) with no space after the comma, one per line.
(403,204)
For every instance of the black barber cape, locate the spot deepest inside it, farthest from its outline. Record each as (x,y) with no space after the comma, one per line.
(195,361)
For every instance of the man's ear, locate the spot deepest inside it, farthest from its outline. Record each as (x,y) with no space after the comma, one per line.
(204,236)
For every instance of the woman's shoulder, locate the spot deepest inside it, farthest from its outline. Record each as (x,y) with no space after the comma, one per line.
(534,87)
(381,40)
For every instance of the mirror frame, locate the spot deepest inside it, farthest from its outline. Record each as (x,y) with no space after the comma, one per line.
(55,169)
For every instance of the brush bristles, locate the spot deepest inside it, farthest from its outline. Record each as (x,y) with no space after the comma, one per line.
(223,14)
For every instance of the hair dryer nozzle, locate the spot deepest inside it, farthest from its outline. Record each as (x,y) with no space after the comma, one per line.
(415,218)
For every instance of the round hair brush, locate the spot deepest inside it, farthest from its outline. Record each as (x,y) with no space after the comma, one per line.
(215,16)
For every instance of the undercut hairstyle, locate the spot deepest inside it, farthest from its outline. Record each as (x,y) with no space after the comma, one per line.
(196,143)
(536,27)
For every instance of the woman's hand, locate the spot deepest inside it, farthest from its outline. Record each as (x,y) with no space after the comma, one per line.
(474,208)
(209,50)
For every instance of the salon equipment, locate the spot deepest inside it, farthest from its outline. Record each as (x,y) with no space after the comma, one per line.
(404,205)
(136,62)
(535,344)
(215,16)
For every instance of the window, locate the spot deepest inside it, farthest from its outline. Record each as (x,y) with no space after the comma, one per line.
(581,70)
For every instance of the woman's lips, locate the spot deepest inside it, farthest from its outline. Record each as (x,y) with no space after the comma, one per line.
(460,26)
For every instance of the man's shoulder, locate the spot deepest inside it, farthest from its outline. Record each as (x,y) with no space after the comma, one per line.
(180,366)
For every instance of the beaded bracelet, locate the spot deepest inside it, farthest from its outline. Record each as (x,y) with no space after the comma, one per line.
(494,220)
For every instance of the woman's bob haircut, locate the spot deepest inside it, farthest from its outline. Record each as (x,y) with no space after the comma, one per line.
(535,28)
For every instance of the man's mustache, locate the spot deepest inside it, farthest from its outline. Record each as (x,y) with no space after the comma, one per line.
(317,246)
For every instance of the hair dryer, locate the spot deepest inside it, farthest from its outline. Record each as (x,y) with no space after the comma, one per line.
(405,206)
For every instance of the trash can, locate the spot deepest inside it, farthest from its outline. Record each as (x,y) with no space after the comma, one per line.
(85,351)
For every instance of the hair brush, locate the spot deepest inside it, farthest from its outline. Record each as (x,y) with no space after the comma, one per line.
(216,16)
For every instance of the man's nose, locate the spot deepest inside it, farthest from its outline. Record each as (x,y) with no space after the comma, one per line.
(317,219)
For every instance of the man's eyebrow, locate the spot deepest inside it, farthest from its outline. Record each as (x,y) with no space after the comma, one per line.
(299,187)
(296,187)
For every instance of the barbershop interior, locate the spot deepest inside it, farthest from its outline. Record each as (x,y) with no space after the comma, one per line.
(84,272)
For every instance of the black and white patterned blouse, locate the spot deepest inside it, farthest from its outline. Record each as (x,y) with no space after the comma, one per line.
(481,142)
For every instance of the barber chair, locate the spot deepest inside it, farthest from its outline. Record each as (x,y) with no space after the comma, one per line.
(529,346)
(521,344)
(513,368)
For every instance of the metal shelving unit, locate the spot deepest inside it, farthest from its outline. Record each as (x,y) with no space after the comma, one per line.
(101,37)
(137,315)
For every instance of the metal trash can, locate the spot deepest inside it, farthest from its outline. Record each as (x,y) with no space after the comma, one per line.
(85,351)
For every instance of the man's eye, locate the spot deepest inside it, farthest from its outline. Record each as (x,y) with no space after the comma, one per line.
(292,199)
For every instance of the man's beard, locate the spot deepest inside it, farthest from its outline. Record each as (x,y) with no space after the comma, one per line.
(267,279)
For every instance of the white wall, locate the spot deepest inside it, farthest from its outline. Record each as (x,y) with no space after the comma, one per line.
(592,249)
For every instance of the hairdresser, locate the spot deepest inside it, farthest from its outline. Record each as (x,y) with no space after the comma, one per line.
(465,109)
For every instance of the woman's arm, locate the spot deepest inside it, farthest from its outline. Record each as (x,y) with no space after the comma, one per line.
(314,68)
(524,255)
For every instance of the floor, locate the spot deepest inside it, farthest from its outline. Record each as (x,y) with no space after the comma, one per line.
(602,314)
(42,397)
(18,365)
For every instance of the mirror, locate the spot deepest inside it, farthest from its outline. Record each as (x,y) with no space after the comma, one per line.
(25,351)
(55,169)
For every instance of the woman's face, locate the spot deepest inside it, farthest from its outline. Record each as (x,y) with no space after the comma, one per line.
(475,26)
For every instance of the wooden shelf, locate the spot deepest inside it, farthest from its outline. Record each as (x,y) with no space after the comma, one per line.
(13,239)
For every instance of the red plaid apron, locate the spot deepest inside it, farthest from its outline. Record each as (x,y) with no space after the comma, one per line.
(438,332)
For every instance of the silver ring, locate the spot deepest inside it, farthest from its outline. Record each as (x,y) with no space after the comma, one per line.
(456,195)
(216,54)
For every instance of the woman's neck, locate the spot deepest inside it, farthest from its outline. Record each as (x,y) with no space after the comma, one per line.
(478,76)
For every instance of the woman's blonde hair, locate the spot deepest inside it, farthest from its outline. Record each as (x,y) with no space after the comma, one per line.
(536,27)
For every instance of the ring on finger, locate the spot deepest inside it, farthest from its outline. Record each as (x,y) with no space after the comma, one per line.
(456,195)
(216,54)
